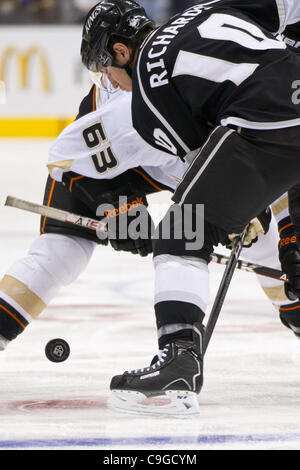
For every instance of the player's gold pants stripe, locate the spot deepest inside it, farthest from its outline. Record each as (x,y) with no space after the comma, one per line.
(24,297)
(275,294)
(280,206)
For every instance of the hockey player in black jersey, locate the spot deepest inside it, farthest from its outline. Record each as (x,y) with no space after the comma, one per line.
(211,87)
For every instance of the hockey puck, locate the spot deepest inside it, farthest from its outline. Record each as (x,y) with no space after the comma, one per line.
(57,350)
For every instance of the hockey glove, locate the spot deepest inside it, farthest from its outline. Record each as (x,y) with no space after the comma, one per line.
(289,256)
(116,202)
(130,225)
(257,226)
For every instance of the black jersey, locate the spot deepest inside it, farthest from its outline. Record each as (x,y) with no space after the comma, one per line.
(271,14)
(274,15)
(212,65)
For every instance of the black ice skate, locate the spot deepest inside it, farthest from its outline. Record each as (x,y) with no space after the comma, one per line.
(176,376)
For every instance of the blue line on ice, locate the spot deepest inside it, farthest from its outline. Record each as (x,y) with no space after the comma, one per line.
(141,441)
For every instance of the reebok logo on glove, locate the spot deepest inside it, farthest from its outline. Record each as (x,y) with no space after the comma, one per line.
(287,241)
(124,208)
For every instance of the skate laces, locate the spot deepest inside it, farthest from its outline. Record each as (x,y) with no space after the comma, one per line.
(162,354)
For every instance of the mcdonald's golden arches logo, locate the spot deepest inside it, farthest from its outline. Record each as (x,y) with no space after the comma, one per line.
(2,92)
(24,60)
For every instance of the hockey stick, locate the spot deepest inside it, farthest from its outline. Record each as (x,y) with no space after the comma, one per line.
(223,288)
(68,217)
(56,214)
(251,267)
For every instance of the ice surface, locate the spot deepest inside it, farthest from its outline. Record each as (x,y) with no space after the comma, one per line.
(250,398)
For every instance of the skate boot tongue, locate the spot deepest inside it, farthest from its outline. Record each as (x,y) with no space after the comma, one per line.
(165,353)
(157,361)
(160,355)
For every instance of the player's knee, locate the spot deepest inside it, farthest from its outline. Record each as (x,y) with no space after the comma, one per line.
(63,257)
(32,282)
(53,261)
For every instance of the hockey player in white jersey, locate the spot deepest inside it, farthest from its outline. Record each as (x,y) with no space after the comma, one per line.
(62,252)
(170,115)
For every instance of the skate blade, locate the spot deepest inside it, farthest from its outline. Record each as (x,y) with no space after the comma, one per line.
(173,403)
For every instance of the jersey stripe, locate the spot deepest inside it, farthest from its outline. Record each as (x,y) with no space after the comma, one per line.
(13,316)
(74,179)
(48,204)
(147,179)
(94,98)
(259,125)
(153,109)
(207,162)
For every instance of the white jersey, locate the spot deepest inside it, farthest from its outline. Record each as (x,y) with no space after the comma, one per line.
(103,144)
(289,12)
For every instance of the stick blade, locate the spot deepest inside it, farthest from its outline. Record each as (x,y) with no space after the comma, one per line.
(57,214)
(10,201)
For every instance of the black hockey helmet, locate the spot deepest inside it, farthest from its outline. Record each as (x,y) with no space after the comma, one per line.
(123,18)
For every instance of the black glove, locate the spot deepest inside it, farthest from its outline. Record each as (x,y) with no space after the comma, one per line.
(96,194)
(289,256)
(256,226)
(130,226)
(136,247)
